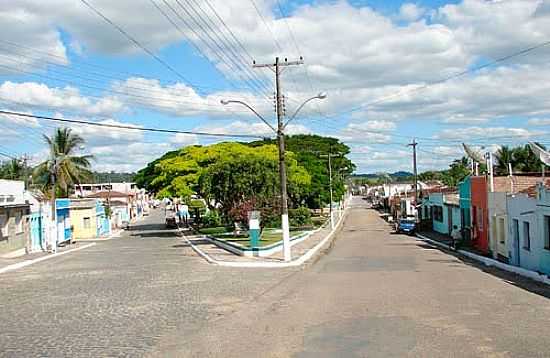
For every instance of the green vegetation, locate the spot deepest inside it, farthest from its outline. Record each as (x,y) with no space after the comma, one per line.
(521,158)
(69,168)
(235,178)
(106,177)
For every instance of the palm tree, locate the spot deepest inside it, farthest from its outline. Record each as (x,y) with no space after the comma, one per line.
(67,168)
(14,169)
(505,155)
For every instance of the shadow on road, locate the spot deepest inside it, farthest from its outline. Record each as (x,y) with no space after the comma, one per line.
(508,277)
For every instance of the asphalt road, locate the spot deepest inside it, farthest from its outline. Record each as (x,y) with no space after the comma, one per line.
(373,295)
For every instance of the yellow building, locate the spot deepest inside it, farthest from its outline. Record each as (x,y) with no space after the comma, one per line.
(83,218)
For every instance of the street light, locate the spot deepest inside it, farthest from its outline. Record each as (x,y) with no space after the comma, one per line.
(282,169)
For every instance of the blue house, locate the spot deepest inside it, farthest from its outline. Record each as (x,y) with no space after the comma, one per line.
(103,222)
(444,210)
(64,230)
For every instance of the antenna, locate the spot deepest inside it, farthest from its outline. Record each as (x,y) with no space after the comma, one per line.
(543,155)
(473,154)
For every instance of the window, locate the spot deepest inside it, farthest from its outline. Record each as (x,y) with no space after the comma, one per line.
(526,236)
(3,226)
(438,213)
(18,223)
(501,230)
(547,232)
(87,223)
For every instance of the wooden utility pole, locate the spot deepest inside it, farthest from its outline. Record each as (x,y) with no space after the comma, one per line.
(413,145)
(276,67)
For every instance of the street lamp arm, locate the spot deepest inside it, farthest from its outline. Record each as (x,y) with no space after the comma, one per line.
(226,102)
(321,95)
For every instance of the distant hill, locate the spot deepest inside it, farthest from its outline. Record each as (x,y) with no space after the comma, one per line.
(399,174)
(113,177)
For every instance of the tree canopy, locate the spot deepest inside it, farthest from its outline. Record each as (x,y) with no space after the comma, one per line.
(226,173)
(311,153)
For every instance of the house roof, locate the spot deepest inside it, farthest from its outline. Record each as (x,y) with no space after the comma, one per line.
(82,204)
(532,190)
(109,194)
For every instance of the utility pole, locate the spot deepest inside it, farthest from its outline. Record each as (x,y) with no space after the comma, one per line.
(330,155)
(53,232)
(413,145)
(276,67)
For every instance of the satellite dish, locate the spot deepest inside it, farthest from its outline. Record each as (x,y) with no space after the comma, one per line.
(543,155)
(473,154)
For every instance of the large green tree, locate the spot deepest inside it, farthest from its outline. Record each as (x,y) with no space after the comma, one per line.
(68,167)
(178,174)
(311,153)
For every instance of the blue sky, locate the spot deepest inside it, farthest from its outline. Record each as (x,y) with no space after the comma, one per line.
(373,58)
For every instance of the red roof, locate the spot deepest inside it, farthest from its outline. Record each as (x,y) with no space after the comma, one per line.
(109,194)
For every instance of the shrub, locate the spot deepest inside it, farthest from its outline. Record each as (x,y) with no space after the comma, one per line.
(300,216)
(212,219)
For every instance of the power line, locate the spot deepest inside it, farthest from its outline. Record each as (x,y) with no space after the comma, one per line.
(211,45)
(227,42)
(118,126)
(135,42)
(446,79)
(267,25)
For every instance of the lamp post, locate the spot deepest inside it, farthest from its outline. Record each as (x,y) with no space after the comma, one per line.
(282,168)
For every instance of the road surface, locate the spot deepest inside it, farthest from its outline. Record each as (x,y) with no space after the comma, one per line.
(374,294)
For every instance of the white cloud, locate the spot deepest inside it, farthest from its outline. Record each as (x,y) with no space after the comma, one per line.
(183,139)
(34,94)
(411,12)
(539,121)
(491,133)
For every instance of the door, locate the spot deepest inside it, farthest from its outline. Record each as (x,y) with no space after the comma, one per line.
(36,232)
(515,233)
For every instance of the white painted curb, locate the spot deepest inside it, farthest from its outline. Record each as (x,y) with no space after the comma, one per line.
(491,262)
(298,262)
(43,258)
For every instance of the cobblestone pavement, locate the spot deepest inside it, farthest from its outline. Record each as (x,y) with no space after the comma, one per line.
(375,294)
(378,294)
(120,297)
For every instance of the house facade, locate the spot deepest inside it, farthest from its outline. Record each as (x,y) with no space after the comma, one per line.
(14,217)
(480,218)
(83,218)
(443,210)
(465,203)
(523,247)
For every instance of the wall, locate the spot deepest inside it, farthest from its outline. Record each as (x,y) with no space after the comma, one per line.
(77,221)
(497,212)
(464,191)
(522,208)
(14,240)
(436,199)
(543,210)
(480,222)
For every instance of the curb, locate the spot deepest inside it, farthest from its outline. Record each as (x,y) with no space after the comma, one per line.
(43,258)
(491,262)
(294,263)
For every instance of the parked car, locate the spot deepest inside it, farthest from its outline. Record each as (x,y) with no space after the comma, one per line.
(406,226)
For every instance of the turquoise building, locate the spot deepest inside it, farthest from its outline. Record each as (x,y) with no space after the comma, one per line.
(444,211)
(465,203)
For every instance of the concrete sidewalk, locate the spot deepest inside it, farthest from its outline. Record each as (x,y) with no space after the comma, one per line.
(301,251)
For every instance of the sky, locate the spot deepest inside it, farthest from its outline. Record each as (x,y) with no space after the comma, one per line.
(388,68)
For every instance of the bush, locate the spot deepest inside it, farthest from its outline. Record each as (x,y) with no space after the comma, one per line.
(211,219)
(300,217)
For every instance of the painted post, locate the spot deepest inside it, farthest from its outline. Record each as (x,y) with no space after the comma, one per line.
(254,228)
